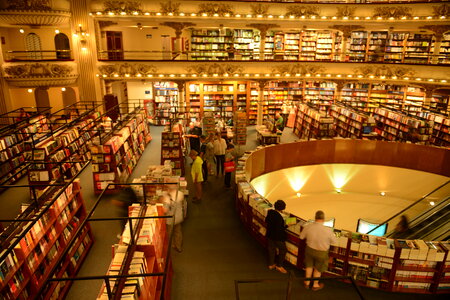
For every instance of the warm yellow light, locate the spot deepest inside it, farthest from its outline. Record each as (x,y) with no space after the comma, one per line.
(368,18)
(299,194)
(183,75)
(345,18)
(127,75)
(215,15)
(149,75)
(161,75)
(249,16)
(136,13)
(291,16)
(158,14)
(328,75)
(227,15)
(99,13)
(182,14)
(356,18)
(21,30)
(123,13)
(350,76)
(406,78)
(204,14)
(63,89)
(30,90)
(431,80)
(259,16)
(104,75)
(237,15)
(394,77)
(277,75)
(418,79)
(287,75)
(416,18)
(383,193)
(148,14)
(267,75)
(323,17)
(194,75)
(193,14)
(338,75)
(225,75)
(246,75)
(443,81)
(111,13)
(308,75)
(236,75)
(371,76)
(172,75)
(270,16)
(281,17)
(334,17)
(205,75)
(116,75)
(170,14)
(138,75)
(256,75)
(57,31)
(360,76)
(298,75)
(432,203)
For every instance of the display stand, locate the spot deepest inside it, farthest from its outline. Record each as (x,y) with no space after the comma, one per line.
(36,241)
(171,150)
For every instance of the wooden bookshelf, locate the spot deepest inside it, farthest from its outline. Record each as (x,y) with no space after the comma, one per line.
(240,128)
(210,44)
(414,98)
(349,123)
(395,47)
(171,150)
(377,45)
(386,95)
(63,154)
(311,123)
(444,49)
(358,46)
(25,270)
(166,103)
(16,145)
(441,132)
(320,94)
(417,48)
(115,159)
(220,98)
(356,95)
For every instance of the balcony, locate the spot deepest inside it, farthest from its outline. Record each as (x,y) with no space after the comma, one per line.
(35,13)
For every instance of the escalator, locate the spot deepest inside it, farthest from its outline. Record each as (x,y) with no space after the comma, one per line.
(434,224)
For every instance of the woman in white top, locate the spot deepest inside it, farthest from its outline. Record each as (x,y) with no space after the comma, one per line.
(220,147)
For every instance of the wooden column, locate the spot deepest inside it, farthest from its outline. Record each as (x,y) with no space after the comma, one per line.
(346,31)
(181,84)
(178,27)
(438,31)
(261,85)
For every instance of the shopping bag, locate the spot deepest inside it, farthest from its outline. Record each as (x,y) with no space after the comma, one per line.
(229,166)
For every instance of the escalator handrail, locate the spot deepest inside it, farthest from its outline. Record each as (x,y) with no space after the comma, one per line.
(409,206)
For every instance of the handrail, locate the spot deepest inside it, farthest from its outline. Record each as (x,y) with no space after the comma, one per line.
(409,206)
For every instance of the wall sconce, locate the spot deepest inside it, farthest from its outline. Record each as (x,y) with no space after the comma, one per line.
(81,34)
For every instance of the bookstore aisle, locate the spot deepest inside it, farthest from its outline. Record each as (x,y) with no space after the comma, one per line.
(105,233)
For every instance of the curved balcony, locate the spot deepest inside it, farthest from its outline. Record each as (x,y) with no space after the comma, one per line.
(41,55)
(38,74)
(35,13)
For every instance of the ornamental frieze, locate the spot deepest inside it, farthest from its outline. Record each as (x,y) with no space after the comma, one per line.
(215,68)
(211,9)
(299,69)
(442,10)
(345,11)
(396,12)
(38,70)
(29,4)
(127,69)
(300,10)
(122,6)
(259,9)
(168,7)
(376,70)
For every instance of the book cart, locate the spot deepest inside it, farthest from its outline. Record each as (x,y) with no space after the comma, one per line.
(117,152)
(49,238)
(396,265)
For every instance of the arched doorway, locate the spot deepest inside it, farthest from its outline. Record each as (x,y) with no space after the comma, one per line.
(42,98)
(33,45)
(62,43)
(69,97)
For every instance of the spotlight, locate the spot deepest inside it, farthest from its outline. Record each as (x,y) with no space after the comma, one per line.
(383,193)
(299,194)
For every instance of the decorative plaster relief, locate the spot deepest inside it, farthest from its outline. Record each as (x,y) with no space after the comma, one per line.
(170,7)
(117,7)
(376,70)
(299,69)
(38,70)
(300,10)
(215,68)
(34,17)
(211,9)
(392,12)
(127,69)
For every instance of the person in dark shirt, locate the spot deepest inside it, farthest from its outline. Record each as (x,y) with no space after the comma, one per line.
(194,134)
(276,236)
(202,155)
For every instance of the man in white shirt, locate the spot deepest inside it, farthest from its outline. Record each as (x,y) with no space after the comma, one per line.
(220,147)
(318,240)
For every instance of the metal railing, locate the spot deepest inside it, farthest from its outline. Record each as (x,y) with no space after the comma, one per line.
(25,55)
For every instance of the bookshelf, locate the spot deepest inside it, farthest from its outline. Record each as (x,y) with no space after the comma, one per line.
(244,43)
(349,123)
(114,160)
(240,128)
(377,45)
(311,123)
(441,132)
(414,98)
(253,104)
(386,95)
(440,102)
(417,48)
(166,103)
(325,46)
(396,126)
(444,49)
(220,98)
(308,45)
(210,44)
(395,47)
(38,245)
(171,150)
(63,154)
(320,94)
(146,256)
(356,95)
(16,145)
(358,46)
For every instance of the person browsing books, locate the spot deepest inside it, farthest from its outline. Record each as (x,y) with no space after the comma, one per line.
(318,240)
(229,165)
(220,146)
(276,236)
(202,154)
(197,175)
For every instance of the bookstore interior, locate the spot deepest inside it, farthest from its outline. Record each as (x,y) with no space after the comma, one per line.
(363,85)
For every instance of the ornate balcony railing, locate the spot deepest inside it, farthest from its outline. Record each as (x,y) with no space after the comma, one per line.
(291,55)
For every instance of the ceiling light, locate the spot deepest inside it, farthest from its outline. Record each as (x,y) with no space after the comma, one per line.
(299,194)
(383,193)
(30,90)
(21,30)
(432,203)
(338,191)
(57,31)
(63,89)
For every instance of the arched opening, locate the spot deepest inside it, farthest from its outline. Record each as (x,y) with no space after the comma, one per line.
(33,45)
(42,99)
(62,46)
(69,97)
